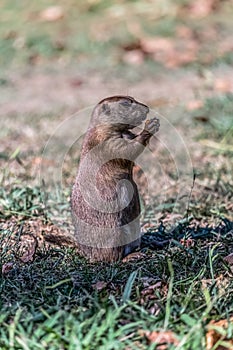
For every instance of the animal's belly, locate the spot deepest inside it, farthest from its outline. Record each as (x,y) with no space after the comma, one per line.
(113,205)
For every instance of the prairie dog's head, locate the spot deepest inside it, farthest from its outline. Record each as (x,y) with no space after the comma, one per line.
(120,110)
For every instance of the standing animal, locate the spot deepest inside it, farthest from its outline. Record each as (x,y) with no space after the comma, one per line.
(105,201)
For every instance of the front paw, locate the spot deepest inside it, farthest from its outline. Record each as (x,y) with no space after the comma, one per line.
(152,125)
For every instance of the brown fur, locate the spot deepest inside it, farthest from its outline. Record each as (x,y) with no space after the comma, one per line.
(108,153)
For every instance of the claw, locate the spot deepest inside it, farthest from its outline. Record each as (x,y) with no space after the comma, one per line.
(152,125)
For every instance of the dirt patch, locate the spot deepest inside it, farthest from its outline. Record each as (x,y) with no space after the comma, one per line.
(40,92)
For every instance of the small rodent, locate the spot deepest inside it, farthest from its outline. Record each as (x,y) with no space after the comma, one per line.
(105,202)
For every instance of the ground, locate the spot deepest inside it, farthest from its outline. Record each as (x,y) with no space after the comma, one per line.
(56,64)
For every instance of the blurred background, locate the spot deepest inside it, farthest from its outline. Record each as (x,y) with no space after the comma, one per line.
(79,51)
(57,57)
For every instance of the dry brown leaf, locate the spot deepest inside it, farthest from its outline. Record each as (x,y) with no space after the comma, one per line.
(42,161)
(133,256)
(27,248)
(194,105)
(179,58)
(45,233)
(165,338)
(206,283)
(221,282)
(213,336)
(184,32)
(171,53)
(7,267)
(223,85)
(171,217)
(157,44)
(99,285)
(52,14)
(148,294)
(150,289)
(229,259)
(202,8)
(225,46)
(209,34)
(135,57)
(149,297)
(189,242)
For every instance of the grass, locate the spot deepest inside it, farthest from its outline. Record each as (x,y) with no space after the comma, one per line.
(218,113)
(60,301)
(54,302)
(28,40)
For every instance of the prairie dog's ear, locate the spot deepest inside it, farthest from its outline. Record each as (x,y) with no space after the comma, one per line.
(105,109)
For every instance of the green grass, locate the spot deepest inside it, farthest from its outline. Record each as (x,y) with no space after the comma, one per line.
(24,202)
(52,303)
(81,36)
(218,111)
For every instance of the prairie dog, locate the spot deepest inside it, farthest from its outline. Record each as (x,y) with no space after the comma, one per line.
(105,202)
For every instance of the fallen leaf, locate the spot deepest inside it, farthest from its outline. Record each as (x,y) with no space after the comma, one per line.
(99,285)
(131,46)
(135,57)
(52,14)
(7,267)
(202,8)
(133,257)
(194,105)
(218,331)
(162,338)
(152,288)
(179,58)
(172,54)
(42,161)
(184,32)
(157,44)
(210,33)
(27,248)
(221,283)
(223,85)
(34,59)
(206,283)
(225,46)
(229,259)
(187,243)
(148,294)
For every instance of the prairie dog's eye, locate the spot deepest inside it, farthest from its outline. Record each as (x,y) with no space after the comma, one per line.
(126,103)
